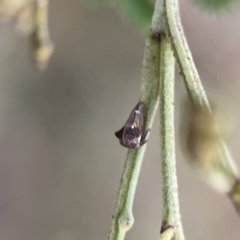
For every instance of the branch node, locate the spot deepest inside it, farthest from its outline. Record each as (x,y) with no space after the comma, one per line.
(155,35)
(126,220)
(166,226)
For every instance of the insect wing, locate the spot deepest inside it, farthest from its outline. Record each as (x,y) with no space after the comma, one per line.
(135,125)
(119,133)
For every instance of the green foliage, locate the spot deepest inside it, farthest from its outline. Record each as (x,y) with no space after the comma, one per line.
(140,11)
(215,4)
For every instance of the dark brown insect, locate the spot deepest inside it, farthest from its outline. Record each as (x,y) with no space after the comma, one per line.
(133,133)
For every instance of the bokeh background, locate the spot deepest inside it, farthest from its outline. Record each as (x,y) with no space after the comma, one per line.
(60,164)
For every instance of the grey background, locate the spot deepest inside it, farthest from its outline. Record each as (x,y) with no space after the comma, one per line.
(60,164)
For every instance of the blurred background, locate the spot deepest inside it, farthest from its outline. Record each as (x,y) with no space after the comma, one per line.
(60,163)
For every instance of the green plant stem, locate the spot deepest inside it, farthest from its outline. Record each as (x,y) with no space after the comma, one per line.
(123,217)
(183,54)
(171,214)
(149,94)
(191,77)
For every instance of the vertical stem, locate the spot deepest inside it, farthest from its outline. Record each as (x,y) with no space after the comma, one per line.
(171,213)
(226,165)
(149,94)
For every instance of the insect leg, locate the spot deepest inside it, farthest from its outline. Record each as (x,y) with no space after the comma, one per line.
(144,137)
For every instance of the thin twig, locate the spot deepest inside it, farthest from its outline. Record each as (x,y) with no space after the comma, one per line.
(183,54)
(225,166)
(42,45)
(123,218)
(171,213)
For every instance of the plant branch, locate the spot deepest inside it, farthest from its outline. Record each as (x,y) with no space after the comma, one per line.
(183,54)
(226,167)
(171,213)
(42,45)
(123,218)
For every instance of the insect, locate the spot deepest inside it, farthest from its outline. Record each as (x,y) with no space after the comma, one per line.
(133,133)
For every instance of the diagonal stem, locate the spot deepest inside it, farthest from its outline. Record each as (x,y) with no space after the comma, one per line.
(149,94)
